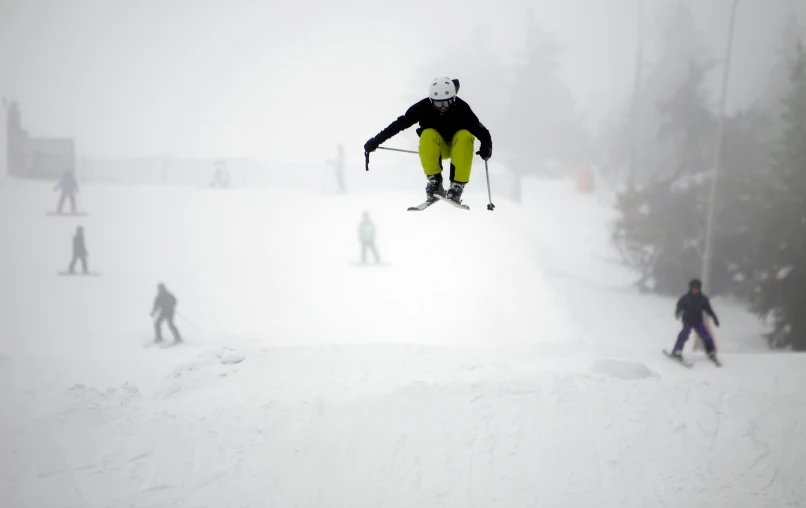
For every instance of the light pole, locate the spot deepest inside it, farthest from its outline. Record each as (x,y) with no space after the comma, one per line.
(635,99)
(709,222)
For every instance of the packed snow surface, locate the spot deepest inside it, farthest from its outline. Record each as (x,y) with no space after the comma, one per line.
(494,359)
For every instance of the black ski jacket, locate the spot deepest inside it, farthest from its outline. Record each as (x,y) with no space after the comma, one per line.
(691,307)
(79,249)
(165,303)
(459,117)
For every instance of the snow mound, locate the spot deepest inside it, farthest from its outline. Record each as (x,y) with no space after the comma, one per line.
(230,356)
(620,369)
(200,372)
(233,358)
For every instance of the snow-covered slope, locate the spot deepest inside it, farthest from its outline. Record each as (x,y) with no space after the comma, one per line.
(493,359)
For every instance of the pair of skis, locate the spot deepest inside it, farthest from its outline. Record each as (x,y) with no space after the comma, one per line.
(686,364)
(428,202)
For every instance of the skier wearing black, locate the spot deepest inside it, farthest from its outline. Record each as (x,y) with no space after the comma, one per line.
(79,251)
(166,304)
(448,130)
(691,307)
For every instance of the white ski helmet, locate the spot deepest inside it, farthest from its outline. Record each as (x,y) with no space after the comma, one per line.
(442,89)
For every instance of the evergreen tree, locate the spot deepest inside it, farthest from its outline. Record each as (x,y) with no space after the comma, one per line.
(680,42)
(782,277)
(778,82)
(662,227)
(541,122)
(742,187)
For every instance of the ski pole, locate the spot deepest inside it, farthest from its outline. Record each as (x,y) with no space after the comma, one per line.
(397,150)
(366,154)
(188,322)
(491,206)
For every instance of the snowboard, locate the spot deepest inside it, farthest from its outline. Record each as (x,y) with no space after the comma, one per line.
(79,274)
(684,363)
(452,203)
(68,214)
(368,264)
(164,344)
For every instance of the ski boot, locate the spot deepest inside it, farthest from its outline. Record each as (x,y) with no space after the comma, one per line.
(677,355)
(455,192)
(713,358)
(434,187)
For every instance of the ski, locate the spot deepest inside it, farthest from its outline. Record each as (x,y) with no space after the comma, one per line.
(422,206)
(66,214)
(79,274)
(681,362)
(451,202)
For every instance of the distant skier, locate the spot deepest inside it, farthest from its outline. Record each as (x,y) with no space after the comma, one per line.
(166,304)
(691,307)
(448,130)
(69,187)
(221,175)
(79,251)
(338,164)
(366,235)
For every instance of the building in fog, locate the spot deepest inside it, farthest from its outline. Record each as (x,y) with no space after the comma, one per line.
(28,157)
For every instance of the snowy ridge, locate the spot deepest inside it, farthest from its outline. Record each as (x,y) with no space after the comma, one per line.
(531,375)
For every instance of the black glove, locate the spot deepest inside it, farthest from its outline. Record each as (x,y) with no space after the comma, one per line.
(485,152)
(716,322)
(371,145)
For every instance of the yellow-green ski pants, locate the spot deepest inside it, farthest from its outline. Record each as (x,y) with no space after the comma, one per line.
(460,151)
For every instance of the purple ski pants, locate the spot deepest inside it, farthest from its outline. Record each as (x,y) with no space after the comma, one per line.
(707,340)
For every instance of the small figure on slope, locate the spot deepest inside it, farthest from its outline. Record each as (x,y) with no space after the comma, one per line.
(221,175)
(166,304)
(79,251)
(366,235)
(448,130)
(338,165)
(69,187)
(691,307)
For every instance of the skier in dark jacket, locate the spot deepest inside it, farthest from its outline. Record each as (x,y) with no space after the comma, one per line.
(448,130)
(79,251)
(166,304)
(691,307)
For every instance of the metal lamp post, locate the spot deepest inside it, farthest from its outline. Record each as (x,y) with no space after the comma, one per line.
(636,99)
(709,223)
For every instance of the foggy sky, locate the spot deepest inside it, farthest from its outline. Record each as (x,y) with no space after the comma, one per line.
(288,81)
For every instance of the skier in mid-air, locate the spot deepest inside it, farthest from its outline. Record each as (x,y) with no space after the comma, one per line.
(69,187)
(448,130)
(166,304)
(79,251)
(691,307)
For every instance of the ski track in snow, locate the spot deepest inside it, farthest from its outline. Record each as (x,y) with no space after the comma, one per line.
(567,403)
